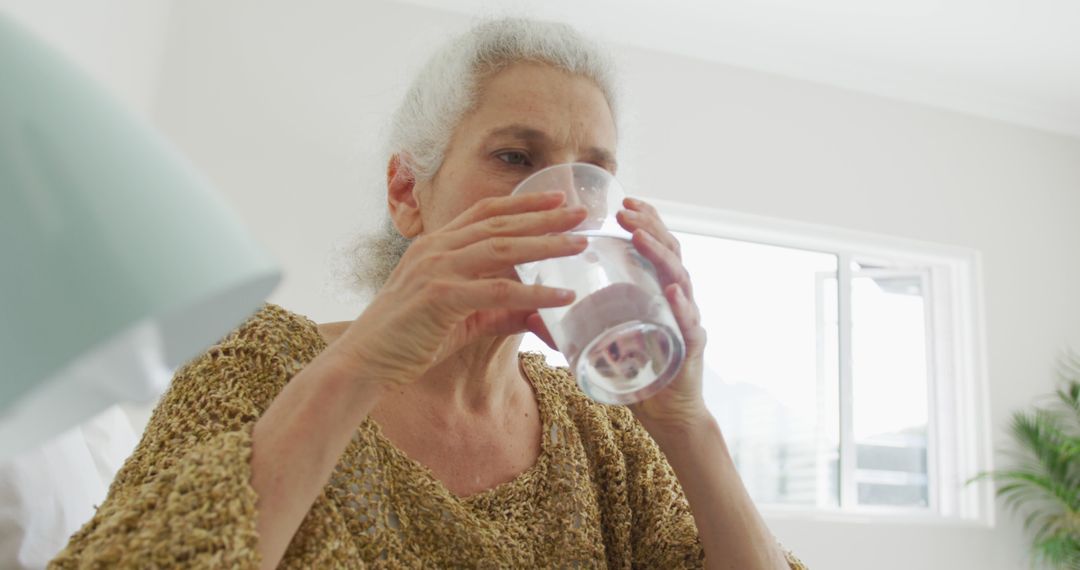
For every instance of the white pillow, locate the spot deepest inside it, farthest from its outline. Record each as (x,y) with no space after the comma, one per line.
(48,493)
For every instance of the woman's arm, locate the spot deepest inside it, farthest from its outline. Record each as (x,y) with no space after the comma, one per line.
(432,304)
(732,532)
(435,302)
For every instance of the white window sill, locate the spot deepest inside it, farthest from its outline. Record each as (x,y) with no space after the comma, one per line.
(876,516)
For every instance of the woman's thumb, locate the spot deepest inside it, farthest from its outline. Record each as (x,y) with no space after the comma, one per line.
(536,325)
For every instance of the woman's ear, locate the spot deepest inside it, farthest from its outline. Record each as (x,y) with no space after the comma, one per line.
(401,198)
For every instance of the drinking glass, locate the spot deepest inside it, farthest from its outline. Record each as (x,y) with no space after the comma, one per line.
(619,335)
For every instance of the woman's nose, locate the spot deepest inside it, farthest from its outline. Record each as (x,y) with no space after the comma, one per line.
(562,180)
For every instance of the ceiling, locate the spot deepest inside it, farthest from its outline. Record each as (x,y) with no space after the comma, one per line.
(1012,60)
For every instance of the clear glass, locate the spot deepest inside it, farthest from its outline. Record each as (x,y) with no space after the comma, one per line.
(771,378)
(889,385)
(619,335)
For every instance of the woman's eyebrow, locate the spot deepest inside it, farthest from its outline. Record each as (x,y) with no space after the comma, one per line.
(523,132)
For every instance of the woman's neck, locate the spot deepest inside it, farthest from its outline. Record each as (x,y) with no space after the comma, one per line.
(478,379)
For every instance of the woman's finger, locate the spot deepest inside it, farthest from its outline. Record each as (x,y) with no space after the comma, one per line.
(496,255)
(669,267)
(536,326)
(498,293)
(640,215)
(506,205)
(497,322)
(535,223)
(688,317)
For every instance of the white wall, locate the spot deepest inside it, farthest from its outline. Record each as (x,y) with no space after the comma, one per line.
(118,42)
(281,104)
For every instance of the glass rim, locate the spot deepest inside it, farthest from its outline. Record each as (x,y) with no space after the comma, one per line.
(571,166)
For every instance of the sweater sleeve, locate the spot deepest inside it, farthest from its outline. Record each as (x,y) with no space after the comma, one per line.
(664,534)
(184,497)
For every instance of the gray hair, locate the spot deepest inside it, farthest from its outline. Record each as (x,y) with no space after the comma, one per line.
(447,88)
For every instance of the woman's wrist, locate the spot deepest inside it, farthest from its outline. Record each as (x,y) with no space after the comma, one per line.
(683,431)
(346,377)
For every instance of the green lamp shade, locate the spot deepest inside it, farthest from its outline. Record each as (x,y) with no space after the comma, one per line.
(118,263)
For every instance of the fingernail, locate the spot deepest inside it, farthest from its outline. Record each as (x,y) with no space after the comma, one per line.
(578,240)
(630,214)
(565,294)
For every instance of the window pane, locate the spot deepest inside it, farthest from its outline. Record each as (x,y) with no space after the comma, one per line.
(889,379)
(770,375)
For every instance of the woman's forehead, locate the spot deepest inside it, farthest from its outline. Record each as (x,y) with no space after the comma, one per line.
(538,101)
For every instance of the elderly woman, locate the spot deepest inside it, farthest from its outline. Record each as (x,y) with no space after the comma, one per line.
(417,435)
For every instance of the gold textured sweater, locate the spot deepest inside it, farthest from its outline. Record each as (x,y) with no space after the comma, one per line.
(600,494)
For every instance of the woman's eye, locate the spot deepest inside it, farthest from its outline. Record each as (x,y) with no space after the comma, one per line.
(514,157)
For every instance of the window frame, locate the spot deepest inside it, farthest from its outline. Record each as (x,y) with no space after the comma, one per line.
(959,432)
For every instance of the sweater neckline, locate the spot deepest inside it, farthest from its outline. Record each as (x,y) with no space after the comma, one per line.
(522,482)
(521,485)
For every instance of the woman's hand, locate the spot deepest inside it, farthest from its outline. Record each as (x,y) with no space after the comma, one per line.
(455,285)
(680,403)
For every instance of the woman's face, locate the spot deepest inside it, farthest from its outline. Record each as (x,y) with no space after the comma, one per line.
(529,116)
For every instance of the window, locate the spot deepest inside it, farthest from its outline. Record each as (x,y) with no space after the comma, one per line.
(844,368)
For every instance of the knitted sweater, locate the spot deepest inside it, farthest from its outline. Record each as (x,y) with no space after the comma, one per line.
(600,494)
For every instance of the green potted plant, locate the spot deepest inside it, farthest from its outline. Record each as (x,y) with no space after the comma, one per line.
(1044,483)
